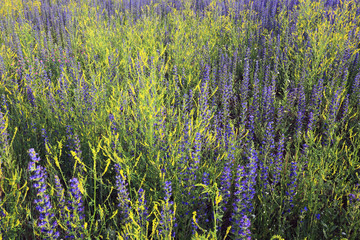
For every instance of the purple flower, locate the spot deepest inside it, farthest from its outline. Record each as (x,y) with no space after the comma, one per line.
(311,121)
(356,87)
(268,147)
(74,145)
(60,195)
(226,177)
(75,217)
(245,228)
(112,124)
(251,178)
(241,197)
(142,209)
(279,159)
(167,213)
(123,195)
(305,209)
(2,215)
(291,186)
(46,222)
(30,96)
(226,88)
(244,193)
(46,140)
(203,211)
(246,78)
(204,101)
(317,96)
(196,155)
(301,111)
(256,91)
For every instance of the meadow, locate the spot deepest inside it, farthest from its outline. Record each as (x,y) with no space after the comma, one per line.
(180,119)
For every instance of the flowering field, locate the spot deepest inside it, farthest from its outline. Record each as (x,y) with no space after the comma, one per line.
(179,119)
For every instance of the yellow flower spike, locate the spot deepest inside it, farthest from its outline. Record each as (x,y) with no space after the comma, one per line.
(106,167)
(227,232)
(218,198)
(77,159)
(195,222)
(101,212)
(114,214)
(278,237)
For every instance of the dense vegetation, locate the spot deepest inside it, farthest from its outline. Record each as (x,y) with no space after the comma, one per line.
(179,119)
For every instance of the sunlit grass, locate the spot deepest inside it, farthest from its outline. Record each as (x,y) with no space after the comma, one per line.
(179,119)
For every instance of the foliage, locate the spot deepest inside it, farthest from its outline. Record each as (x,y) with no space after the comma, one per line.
(179,119)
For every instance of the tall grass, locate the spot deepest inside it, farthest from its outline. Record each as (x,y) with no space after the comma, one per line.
(181,119)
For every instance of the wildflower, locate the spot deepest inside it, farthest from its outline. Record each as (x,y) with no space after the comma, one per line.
(345,107)
(203,208)
(268,148)
(60,196)
(74,145)
(112,124)
(196,155)
(2,215)
(240,199)
(311,121)
(142,209)
(246,79)
(46,223)
(245,228)
(301,110)
(30,96)
(279,159)
(356,87)
(256,91)
(123,195)
(75,217)
(305,209)
(204,106)
(292,184)
(167,213)
(251,178)
(226,177)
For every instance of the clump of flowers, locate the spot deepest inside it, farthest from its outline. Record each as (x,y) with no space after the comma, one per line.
(60,195)
(167,214)
(75,217)
(123,195)
(46,222)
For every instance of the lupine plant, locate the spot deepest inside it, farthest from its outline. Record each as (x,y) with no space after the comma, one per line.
(179,119)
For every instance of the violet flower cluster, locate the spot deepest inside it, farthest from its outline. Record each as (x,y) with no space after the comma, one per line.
(167,221)
(46,222)
(142,210)
(122,195)
(75,216)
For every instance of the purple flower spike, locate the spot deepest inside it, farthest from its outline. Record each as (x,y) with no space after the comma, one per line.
(46,222)
(167,214)
(76,215)
(142,209)
(123,195)
(245,228)
(60,196)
